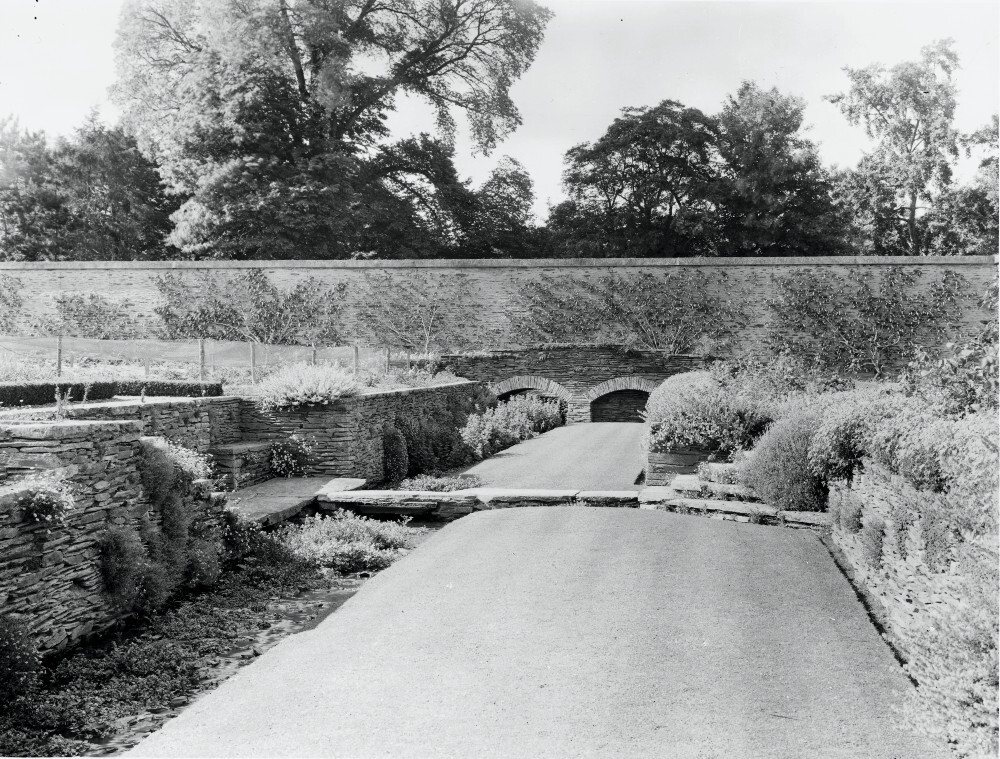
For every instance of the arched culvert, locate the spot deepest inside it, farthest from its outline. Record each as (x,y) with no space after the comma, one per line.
(622,399)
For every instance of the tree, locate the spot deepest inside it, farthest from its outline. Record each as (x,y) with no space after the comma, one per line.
(773,196)
(92,196)
(674,311)
(249,307)
(909,109)
(640,189)
(270,115)
(502,226)
(416,312)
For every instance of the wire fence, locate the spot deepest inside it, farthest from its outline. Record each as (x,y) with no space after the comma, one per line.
(203,359)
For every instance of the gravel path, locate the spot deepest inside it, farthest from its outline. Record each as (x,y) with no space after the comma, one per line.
(595,456)
(575,632)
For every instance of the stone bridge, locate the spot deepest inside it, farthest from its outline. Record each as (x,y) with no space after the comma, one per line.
(599,383)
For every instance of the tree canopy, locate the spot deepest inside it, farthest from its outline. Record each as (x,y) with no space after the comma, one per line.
(269,115)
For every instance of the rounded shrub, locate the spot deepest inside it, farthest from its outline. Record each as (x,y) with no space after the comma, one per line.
(305,384)
(778,469)
(395,458)
(872,540)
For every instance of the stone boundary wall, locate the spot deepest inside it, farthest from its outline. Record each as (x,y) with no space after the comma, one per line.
(902,587)
(51,578)
(346,435)
(197,423)
(580,374)
(492,285)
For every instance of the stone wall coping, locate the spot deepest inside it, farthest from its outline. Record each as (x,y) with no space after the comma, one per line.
(241,447)
(508,263)
(63,427)
(567,348)
(126,401)
(411,390)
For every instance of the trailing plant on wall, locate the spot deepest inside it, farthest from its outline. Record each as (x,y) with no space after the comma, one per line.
(11,304)
(47,501)
(417,312)
(677,311)
(288,458)
(92,315)
(861,323)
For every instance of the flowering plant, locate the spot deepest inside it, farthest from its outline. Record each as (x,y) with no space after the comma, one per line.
(47,500)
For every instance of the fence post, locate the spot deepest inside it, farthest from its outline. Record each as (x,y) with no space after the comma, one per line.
(314,354)
(145,365)
(59,356)
(253,363)
(387,352)
(355,359)
(201,359)
(407,361)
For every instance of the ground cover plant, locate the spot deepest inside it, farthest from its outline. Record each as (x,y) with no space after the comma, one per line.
(346,542)
(508,423)
(440,483)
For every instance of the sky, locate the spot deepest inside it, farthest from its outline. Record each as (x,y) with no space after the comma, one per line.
(598,56)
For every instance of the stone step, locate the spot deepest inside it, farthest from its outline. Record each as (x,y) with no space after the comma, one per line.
(692,486)
(274,501)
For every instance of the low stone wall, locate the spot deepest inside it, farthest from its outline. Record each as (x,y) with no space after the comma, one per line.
(50,574)
(346,435)
(244,464)
(661,468)
(197,423)
(901,587)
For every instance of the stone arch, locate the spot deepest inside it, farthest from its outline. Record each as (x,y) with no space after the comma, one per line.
(622,383)
(543,385)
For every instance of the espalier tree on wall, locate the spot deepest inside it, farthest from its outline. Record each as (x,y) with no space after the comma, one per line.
(672,311)
(250,307)
(861,324)
(416,312)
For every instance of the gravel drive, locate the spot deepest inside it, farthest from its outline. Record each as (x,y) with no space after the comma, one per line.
(594,456)
(575,632)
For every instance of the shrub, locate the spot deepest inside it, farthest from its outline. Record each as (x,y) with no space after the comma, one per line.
(395,459)
(346,542)
(778,469)
(509,423)
(289,457)
(123,563)
(203,564)
(19,661)
(304,384)
(872,540)
(964,380)
(698,410)
(439,484)
(47,501)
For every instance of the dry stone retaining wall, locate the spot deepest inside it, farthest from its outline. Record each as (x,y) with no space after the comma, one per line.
(197,423)
(492,286)
(51,577)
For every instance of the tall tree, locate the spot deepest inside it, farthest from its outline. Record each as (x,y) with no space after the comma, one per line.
(640,189)
(271,113)
(773,196)
(92,196)
(909,109)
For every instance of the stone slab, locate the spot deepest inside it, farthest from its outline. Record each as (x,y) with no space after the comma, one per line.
(274,501)
(811,518)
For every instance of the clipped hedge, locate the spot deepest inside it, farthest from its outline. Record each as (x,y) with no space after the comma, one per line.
(44,393)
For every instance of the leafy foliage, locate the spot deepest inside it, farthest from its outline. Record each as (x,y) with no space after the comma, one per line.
(262,113)
(289,457)
(19,660)
(857,324)
(347,542)
(48,500)
(304,384)
(92,196)
(395,456)
(773,197)
(416,312)
(508,423)
(778,470)
(674,311)
(249,307)
(439,484)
